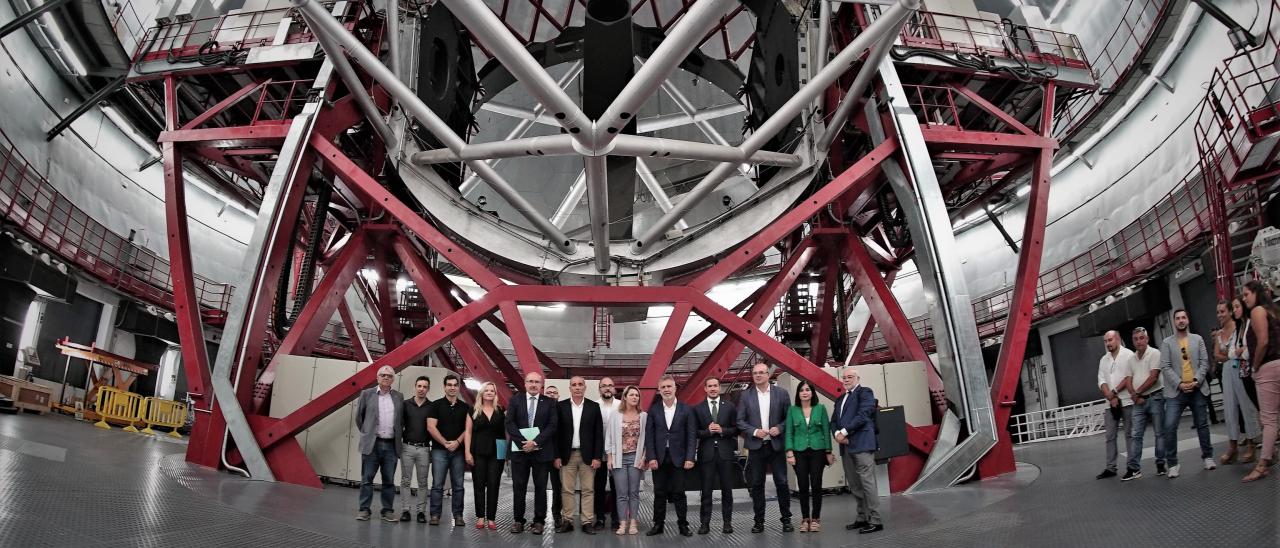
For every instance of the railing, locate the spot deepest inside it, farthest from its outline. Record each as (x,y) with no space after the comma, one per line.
(125,23)
(1072,421)
(36,209)
(280,102)
(1114,63)
(974,36)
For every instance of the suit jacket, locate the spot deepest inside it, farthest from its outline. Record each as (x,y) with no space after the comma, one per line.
(675,444)
(545,418)
(815,434)
(367,419)
(857,419)
(1171,363)
(749,416)
(722,446)
(590,437)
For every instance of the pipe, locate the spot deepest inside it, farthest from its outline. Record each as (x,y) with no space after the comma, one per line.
(326,24)
(354,87)
(597,174)
(86,106)
(883,29)
(548,145)
(853,98)
(686,106)
(30,16)
(571,200)
(657,147)
(652,183)
(824,34)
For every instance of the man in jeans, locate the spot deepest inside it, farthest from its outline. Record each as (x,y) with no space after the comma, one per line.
(449,422)
(1113,382)
(379,415)
(1184,370)
(417,451)
(1148,404)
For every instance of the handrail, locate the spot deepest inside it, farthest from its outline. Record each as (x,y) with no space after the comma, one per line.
(977,36)
(1071,421)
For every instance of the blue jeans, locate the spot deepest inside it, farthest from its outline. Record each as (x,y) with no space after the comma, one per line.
(1151,410)
(382,459)
(455,463)
(1173,408)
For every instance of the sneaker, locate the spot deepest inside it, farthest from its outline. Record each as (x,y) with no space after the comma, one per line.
(1210,465)
(1131,475)
(363,515)
(1175,470)
(404,516)
(1108,473)
(1160,470)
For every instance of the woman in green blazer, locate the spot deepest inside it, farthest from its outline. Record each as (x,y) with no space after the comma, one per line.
(809,451)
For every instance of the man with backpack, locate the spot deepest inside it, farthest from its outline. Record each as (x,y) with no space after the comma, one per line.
(853,422)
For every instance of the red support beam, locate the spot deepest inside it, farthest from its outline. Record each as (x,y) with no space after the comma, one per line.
(525,354)
(358,345)
(660,361)
(703,335)
(229,137)
(224,104)
(207,431)
(1014,344)
(984,141)
(981,102)
(391,334)
(516,377)
(820,339)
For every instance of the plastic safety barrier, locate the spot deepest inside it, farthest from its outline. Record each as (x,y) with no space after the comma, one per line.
(116,404)
(161,412)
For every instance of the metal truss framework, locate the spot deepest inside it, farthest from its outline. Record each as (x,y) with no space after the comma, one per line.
(402,240)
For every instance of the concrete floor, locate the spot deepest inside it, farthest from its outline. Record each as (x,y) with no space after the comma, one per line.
(65,483)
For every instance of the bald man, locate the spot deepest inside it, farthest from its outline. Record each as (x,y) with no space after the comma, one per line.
(531,409)
(1115,378)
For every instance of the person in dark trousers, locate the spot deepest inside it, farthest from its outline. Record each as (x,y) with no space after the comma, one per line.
(609,405)
(530,456)
(762,417)
(488,431)
(449,422)
(809,452)
(557,486)
(853,424)
(669,446)
(417,452)
(579,453)
(380,419)
(716,421)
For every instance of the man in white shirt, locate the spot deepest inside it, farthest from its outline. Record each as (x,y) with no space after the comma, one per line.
(579,452)
(604,496)
(762,416)
(1147,394)
(1114,378)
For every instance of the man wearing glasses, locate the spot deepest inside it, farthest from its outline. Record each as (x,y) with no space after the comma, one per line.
(380,418)
(1184,370)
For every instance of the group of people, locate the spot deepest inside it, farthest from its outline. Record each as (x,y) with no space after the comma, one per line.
(580,445)
(1154,386)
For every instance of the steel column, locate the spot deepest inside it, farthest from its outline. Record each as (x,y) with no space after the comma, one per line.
(660,361)
(525,353)
(820,339)
(358,345)
(391,334)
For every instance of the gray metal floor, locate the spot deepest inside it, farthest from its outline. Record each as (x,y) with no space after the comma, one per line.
(64,483)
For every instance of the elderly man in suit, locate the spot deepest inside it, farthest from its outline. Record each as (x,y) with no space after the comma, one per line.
(669,445)
(1184,370)
(716,420)
(379,417)
(762,415)
(531,410)
(853,424)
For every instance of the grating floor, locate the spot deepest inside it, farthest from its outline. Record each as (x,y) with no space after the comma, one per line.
(64,483)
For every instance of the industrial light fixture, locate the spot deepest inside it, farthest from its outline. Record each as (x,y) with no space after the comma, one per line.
(1024,190)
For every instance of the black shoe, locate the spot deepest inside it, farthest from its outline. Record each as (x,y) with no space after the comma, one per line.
(587,529)
(537,528)
(599,524)
(704,529)
(1107,474)
(435,520)
(871,529)
(685,532)
(1131,475)
(654,531)
(1160,469)
(787,527)
(422,517)
(564,527)
(516,528)
(728,529)
(856,525)
(404,516)
(757,528)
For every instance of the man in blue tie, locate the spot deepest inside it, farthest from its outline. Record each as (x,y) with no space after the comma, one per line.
(853,424)
(531,409)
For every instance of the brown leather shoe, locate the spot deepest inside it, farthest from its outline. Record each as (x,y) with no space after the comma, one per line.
(536,528)
(517,528)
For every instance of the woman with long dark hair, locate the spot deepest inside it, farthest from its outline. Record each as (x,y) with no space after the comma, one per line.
(808,446)
(1242,416)
(1263,339)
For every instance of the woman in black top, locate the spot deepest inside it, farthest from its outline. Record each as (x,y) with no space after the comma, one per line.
(487,432)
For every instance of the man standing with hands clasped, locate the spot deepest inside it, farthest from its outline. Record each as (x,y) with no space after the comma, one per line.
(1115,382)
(579,450)
(669,446)
(530,411)
(717,452)
(379,417)
(449,421)
(1184,369)
(762,418)
(853,423)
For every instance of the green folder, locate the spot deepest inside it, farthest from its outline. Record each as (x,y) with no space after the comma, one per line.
(529,434)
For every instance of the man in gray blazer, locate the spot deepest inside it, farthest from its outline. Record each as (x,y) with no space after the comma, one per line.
(1184,370)
(380,417)
(762,415)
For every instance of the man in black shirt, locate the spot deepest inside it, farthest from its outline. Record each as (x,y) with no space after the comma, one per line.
(449,422)
(417,451)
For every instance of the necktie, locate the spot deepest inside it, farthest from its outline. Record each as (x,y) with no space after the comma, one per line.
(533,408)
(715,409)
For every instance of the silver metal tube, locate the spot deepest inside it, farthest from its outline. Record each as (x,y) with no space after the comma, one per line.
(491,32)
(519,112)
(652,183)
(326,24)
(683,38)
(570,202)
(657,147)
(547,145)
(686,106)
(884,28)
(853,98)
(349,78)
(393,31)
(668,121)
(824,34)
(597,174)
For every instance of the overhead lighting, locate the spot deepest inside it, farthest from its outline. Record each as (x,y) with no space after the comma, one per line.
(472,384)
(369,274)
(1025,190)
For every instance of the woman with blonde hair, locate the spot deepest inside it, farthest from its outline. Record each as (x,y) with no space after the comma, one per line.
(488,432)
(624,455)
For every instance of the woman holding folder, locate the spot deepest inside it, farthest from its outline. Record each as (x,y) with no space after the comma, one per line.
(489,449)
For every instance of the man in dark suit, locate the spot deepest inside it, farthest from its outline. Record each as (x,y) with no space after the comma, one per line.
(531,409)
(762,416)
(669,446)
(853,424)
(579,451)
(716,420)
